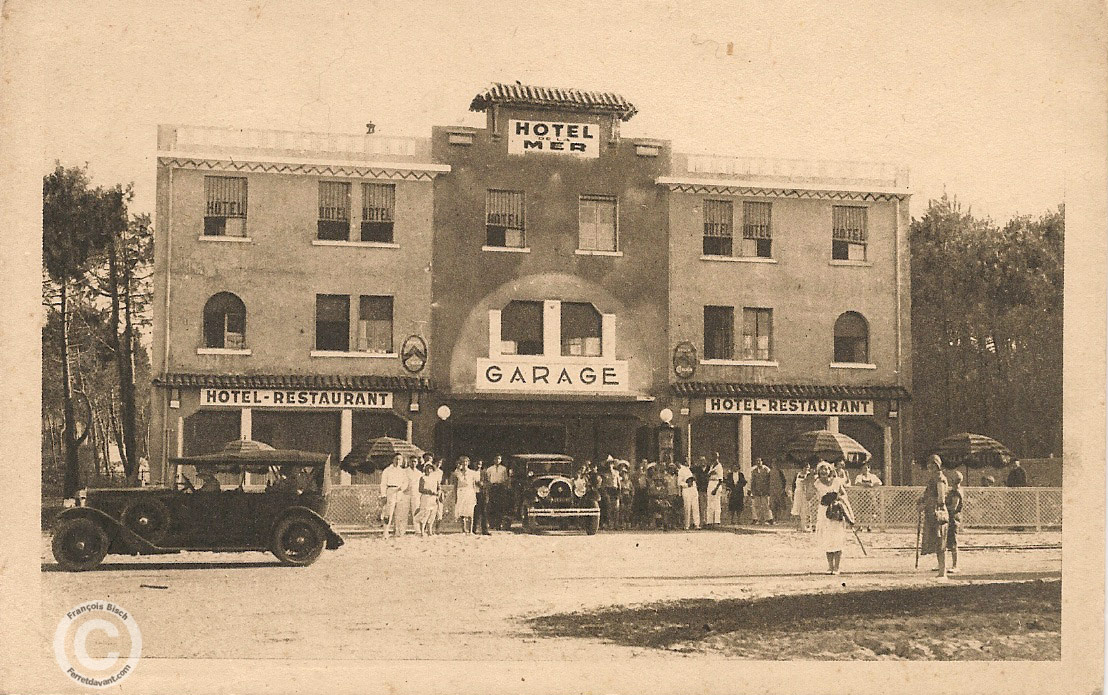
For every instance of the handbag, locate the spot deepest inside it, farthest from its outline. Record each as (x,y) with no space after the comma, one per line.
(941,515)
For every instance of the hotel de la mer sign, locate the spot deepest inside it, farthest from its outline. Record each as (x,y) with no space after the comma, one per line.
(787,406)
(553,137)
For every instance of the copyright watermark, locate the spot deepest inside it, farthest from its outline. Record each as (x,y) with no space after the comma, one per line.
(97,644)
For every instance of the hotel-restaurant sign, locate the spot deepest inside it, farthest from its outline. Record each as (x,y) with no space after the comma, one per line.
(544,375)
(741,405)
(554,137)
(297,398)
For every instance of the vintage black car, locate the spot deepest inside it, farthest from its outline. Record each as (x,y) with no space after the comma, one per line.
(552,494)
(256,500)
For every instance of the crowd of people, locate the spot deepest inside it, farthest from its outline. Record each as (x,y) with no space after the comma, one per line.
(670,496)
(651,495)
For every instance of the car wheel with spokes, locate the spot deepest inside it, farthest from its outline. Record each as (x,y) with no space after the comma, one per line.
(298,540)
(80,544)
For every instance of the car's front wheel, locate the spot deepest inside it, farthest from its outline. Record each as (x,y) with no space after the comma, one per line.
(80,544)
(298,541)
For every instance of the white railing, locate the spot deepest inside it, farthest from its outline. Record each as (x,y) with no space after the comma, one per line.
(206,138)
(799,170)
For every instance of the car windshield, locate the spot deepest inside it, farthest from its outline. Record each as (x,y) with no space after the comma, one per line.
(536,468)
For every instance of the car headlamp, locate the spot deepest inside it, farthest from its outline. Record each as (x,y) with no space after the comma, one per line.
(82,497)
(580,487)
(543,492)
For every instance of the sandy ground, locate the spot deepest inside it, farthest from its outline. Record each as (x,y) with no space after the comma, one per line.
(453,596)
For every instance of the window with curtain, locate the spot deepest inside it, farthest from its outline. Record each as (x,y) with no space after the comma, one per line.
(851,338)
(375,324)
(719,332)
(757,230)
(225,322)
(332,322)
(504,223)
(597,223)
(718,227)
(848,233)
(757,334)
(521,328)
(581,330)
(378,211)
(334,211)
(225,212)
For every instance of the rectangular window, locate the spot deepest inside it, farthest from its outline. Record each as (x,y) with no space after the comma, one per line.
(378,208)
(581,330)
(521,328)
(225,214)
(719,332)
(504,219)
(597,228)
(718,227)
(848,233)
(332,322)
(375,324)
(757,232)
(334,211)
(757,334)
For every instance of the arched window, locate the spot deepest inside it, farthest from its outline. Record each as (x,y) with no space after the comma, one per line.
(225,322)
(851,338)
(581,330)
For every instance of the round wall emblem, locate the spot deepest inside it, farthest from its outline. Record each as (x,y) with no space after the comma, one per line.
(684,360)
(413,354)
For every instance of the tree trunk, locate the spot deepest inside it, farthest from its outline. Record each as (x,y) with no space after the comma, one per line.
(71,481)
(128,406)
(122,351)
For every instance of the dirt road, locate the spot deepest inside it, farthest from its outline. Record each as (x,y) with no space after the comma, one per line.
(456,597)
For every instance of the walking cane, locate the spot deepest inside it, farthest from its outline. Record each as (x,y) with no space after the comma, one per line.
(859,539)
(919,525)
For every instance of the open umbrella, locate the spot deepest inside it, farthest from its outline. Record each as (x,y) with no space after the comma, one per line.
(376,454)
(972,450)
(827,445)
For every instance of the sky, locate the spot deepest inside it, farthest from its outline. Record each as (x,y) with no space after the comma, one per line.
(973,97)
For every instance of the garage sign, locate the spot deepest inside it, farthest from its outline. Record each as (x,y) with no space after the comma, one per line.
(550,376)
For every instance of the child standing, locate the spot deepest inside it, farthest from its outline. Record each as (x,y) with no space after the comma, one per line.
(954,511)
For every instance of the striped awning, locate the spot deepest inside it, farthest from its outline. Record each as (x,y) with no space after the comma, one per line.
(357,382)
(518,94)
(718,388)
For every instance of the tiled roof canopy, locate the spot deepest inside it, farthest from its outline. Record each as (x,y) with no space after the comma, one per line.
(359,382)
(708,388)
(552,97)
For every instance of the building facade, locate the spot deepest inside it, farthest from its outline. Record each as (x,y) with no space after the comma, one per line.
(290,268)
(541,284)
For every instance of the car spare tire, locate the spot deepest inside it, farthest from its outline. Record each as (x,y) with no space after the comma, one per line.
(147,518)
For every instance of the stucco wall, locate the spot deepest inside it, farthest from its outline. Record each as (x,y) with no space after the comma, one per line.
(805,291)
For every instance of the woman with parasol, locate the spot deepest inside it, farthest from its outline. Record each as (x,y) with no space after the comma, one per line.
(833,515)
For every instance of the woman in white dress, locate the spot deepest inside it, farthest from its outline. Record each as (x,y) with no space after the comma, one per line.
(800,498)
(465,483)
(830,532)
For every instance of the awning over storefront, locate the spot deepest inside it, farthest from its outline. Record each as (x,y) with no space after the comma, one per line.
(296,381)
(712,388)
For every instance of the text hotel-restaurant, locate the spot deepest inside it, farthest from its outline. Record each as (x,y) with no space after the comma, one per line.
(541,284)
